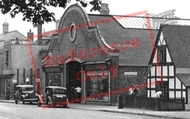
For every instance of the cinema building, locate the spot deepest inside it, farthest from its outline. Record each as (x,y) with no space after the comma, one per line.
(98,53)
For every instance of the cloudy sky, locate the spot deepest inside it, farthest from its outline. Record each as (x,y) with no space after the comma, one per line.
(117,7)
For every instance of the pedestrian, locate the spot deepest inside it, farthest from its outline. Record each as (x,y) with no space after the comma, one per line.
(73,93)
(135,90)
(130,91)
(158,93)
(78,90)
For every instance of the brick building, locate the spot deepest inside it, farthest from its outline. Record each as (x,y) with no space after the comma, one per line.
(16,60)
(98,53)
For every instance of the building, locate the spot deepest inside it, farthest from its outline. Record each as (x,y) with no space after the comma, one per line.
(170,64)
(6,74)
(98,53)
(20,58)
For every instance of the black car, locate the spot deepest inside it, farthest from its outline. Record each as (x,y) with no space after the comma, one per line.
(54,96)
(25,93)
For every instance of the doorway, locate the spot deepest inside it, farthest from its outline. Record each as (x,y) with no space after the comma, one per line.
(72,82)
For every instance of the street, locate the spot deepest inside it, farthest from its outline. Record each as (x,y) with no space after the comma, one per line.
(28,111)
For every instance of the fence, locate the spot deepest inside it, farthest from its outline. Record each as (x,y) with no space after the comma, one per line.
(154,103)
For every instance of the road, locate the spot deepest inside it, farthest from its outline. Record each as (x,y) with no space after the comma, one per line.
(27,111)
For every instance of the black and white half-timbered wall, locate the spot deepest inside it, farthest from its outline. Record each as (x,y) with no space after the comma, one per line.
(170,64)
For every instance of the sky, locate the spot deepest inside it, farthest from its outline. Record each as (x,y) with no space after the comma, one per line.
(117,7)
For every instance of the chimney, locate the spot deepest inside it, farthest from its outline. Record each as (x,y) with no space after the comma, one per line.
(30,35)
(5,27)
(39,34)
(57,24)
(104,9)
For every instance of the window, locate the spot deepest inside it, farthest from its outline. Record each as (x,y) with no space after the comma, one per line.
(53,79)
(6,57)
(97,85)
(60,91)
(162,54)
(72,32)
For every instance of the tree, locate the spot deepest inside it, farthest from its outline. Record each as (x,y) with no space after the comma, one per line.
(36,11)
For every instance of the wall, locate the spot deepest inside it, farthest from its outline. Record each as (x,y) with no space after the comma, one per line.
(126,81)
(21,58)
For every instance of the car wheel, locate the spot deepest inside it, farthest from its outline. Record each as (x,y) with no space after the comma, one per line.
(65,106)
(23,102)
(16,101)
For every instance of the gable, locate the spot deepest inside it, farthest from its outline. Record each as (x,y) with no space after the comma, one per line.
(12,35)
(177,38)
(161,40)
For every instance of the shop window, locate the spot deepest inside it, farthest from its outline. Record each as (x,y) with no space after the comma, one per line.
(53,79)
(97,85)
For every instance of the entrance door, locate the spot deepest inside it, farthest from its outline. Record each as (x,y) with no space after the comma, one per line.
(8,88)
(72,82)
(164,87)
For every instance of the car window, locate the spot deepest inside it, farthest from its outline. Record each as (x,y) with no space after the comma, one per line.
(27,88)
(60,91)
(48,91)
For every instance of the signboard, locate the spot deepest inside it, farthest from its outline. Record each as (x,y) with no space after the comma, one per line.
(52,69)
(8,72)
(130,73)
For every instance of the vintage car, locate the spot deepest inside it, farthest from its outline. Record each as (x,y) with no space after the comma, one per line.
(54,96)
(25,93)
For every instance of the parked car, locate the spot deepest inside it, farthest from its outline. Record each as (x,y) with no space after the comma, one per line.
(54,96)
(25,93)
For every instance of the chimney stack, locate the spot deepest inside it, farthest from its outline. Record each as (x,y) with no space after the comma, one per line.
(30,35)
(5,27)
(104,9)
(57,24)
(39,34)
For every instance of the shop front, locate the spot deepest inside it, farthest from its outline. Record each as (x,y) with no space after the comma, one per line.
(88,61)
(53,76)
(96,82)
(6,86)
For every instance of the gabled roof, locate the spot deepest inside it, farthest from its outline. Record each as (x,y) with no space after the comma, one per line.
(9,36)
(114,32)
(12,35)
(185,78)
(178,41)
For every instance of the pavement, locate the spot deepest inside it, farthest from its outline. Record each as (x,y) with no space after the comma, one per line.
(114,109)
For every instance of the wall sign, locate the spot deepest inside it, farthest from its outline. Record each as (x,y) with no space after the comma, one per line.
(8,72)
(130,73)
